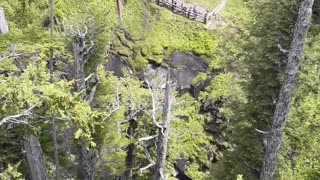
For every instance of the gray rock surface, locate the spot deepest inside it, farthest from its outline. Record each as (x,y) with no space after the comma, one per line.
(184,68)
(3,23)
(119,65)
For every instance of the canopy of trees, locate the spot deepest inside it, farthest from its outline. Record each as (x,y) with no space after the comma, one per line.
(135,90)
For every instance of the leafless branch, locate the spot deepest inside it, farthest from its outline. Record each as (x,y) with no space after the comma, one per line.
(282,50)
(154,110)
(19,118)
(3,98)
(91,47)
(14,55)
(259,131)
(88,77)
(146,167)
(9,56)
(148,156)
(146,138)
(93,91)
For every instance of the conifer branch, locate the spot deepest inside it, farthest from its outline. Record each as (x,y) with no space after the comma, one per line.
(115,105)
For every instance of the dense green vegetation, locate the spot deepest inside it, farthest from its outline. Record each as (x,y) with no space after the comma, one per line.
(214,132)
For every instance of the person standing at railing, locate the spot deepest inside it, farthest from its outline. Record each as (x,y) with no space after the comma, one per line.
(189,11)
(183,9)
(174,3)
(194,9)
(205,17)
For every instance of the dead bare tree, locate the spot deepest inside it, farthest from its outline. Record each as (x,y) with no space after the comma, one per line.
(159,102)
(120,9)
(82,51)
(163,135)
(283,104)
(3,23)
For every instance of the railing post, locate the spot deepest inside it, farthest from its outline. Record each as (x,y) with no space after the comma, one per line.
(172,5)
(205,18)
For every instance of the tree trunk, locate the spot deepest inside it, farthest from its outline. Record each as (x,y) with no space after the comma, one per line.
(88,158)
(120,9)
(54,127)
(283,103)
(128,175)
(82,53)
(34,157)
(163,137)
(55,148)
(3,23)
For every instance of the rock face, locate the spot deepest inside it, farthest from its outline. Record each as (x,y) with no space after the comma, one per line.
(3,23)
(119,65)
(184,68)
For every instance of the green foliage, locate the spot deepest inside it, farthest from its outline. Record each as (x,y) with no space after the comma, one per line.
(188,139)
(245,51)
(300,151)
(239,177)
(11,172)
(160,32)
(199,78)
(254,59)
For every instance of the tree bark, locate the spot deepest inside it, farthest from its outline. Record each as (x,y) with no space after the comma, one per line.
(82,53)
(88,158)
(3,23)
(128,175)
(34,157)
(283,104)
(163,137)
(54,127)
(120,9)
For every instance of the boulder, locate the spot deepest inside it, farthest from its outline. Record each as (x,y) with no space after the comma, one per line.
(119,65)
(3,23)
(185,67)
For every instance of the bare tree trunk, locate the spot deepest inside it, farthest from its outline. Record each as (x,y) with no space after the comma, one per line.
(55,148)
(34,157)
(120,9)
(3,23)
(163,137)
(54,128)
(88,158)
(82,53)
(128,175)
(283,103)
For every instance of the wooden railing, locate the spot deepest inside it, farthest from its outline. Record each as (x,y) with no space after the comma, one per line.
(187,10)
